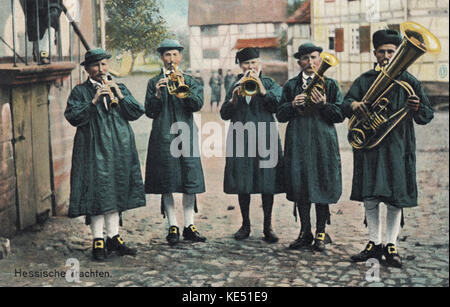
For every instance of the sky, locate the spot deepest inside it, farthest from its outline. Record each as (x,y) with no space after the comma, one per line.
(176,14)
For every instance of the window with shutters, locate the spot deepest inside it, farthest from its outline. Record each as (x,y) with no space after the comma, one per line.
(354,36)
(339,40)
(364,39)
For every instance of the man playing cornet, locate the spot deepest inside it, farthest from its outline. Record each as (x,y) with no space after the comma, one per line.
(251,103)
(172,169)
(312,161)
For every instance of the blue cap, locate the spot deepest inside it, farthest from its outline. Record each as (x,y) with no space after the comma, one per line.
(169,44)
(94,55)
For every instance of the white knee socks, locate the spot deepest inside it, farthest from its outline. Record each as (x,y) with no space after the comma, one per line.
(97,223)
(393,220)
(169,208)
(373,220)
(112,225)
(188,209)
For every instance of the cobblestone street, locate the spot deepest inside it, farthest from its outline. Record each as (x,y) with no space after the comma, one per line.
(223,261)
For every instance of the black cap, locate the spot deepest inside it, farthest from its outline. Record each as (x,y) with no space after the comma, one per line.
(246,54)
(307,48)
(386,36)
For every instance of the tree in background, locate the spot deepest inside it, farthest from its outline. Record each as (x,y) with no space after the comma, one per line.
(293,5)
(135,26)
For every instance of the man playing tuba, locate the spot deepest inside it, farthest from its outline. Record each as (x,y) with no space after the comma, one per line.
(386,173)
(312,161)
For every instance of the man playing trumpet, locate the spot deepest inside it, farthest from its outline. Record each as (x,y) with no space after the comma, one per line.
(248,174)
(167,171)
(386,173)
(312,161)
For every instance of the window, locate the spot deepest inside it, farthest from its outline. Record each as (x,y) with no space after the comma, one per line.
(209,30)
(364,39)
(354,32)
(211,53)
(331,36)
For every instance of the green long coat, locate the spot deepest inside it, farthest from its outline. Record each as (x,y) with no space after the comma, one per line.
(311,152)
(244,173)
(167,172)
(106,173)
(388,171)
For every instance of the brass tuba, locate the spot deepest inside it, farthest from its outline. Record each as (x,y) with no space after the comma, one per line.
(176,85)
(369,132)
(318,81)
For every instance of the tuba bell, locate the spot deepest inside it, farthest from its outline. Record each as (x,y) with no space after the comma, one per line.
(368,133)
(175,84)
(318,81)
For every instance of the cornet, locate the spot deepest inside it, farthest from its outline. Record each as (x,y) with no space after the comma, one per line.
(249,85)
(175,84)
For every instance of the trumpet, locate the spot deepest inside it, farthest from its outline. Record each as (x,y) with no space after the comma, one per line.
(175,84)
(249,86)
(114,100)
(318,81)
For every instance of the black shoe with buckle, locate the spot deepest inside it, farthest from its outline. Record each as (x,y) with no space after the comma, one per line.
(392,257)
(191,233)
(242,233)
(117,245)
(321,240)
(174,235)
(371,251)
(304,240)
(98,250)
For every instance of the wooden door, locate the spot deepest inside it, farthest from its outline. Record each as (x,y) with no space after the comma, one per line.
(41,149)
(23,149)
(32,152)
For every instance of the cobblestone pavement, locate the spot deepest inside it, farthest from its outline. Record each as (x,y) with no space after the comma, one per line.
(221,261)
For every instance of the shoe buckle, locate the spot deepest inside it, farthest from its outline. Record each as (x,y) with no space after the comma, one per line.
(172,230)
(99,244)
(193,228)
(120,240)
(320,236)
(392,249)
